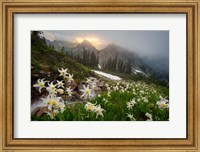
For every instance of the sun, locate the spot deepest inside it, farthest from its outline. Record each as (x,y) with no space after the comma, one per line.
(92,40)
(96,42)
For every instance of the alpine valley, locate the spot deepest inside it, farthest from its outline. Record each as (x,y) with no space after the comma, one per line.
(113,59)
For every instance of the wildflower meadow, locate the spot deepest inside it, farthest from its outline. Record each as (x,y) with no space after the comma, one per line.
(118,100)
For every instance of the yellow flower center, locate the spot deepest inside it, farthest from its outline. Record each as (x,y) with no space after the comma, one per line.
(60,91)
(90,107)
(41,84)
(54,103)
(163,105)
(62,107)
(49,102)
(87,91)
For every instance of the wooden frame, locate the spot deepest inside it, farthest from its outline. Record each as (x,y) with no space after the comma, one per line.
(11,7)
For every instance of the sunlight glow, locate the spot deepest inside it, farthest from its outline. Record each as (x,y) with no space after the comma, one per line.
(96,42)
(90,39)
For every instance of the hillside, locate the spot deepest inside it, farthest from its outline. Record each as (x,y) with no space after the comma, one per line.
(45,62)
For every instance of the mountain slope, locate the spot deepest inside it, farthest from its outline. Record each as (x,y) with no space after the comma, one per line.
(45,59)
(122,56)
(113,57)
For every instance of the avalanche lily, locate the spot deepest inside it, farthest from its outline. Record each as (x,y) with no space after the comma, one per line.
(87,92)
(51,101)
(90,106)
(63,72)
(163,104)
(60,91)
(62,107)
(99,111)
(130,116)
(69,91)
(40,84)
(149,116)
(69,78)
(60,84)
(52,88)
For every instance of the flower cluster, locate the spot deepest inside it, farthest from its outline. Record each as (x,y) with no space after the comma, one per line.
(130,104)
(121,100)
(60,90)
(88,90)
(94,108)
(55,105)
(55,89)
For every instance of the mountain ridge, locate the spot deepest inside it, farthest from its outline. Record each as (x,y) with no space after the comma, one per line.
(113,57)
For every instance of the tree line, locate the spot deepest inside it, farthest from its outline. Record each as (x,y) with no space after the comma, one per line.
(117,65)
(87,58)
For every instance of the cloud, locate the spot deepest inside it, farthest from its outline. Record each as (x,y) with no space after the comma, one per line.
(49,36)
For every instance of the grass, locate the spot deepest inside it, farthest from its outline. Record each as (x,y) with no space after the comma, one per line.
(115,105)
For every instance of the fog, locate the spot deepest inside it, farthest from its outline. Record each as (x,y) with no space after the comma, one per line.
(151,45)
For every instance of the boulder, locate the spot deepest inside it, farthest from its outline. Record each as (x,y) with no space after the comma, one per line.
(101,84)
(42,111)
(36,110)
(97,89)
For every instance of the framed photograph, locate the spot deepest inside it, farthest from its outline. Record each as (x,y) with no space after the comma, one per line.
(84,75)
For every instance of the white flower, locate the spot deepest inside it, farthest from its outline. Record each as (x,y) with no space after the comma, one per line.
(87,92)
(130,116)
(105,100)
(108,88)
(40,84)
(90,106)
(51,101)
(99,111)
(108,93)
(88,80)
(145,100)
(149,116)
(52,88)
(163,103)
(69,78)
(69,91)
(60,83)
(63,72)
(53,113)
(50,114)
(129,105)
(133,102)
(60,91)
(62,107)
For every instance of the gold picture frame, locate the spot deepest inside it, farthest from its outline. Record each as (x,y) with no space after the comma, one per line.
(11,7)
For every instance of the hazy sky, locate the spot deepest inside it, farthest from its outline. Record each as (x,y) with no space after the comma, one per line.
(152,44)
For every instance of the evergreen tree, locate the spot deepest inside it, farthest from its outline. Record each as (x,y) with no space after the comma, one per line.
(108,65)
(62,50)
(92,59)
(128,67)
(97,61)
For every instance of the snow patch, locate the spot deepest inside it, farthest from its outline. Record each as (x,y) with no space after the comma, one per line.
(139,72)
(99,66)
(110,76)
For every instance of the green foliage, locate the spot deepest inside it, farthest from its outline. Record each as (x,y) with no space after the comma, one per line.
(43,55)
(115,105)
